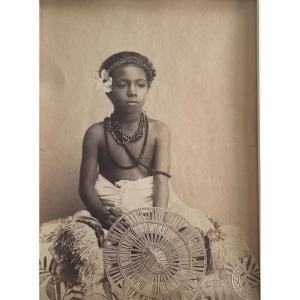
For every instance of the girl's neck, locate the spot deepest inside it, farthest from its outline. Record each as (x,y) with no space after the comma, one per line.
(128,117)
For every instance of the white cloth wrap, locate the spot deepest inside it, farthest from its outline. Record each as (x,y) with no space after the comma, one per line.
(132,194)
(127,194)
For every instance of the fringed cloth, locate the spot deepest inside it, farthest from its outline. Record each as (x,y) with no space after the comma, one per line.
(77,245)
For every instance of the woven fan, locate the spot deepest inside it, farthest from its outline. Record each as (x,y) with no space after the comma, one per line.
(246,277)
(152,253)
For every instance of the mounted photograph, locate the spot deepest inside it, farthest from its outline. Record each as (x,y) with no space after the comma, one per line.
(149,156)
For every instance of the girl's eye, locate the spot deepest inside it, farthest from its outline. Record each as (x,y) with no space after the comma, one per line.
(124,85)
(141,85)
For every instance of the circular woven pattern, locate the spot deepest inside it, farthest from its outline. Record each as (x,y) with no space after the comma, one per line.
(245,278)
(152,253)
(214,288)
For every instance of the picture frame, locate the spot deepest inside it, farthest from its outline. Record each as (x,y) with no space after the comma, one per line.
(206,83)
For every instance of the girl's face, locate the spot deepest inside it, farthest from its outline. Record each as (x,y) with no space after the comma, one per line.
(129,88)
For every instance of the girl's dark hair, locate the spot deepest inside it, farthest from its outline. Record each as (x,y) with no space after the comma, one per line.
(121,59)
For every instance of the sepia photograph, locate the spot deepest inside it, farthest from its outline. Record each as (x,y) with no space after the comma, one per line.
(149,153)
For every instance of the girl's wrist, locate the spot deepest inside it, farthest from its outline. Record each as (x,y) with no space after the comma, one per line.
(102,213)
(105,213)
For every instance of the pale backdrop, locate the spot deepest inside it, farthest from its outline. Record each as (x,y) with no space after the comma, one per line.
(205,90)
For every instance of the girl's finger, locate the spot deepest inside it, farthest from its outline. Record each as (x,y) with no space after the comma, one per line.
(101,239)
(113,218)
(114,213)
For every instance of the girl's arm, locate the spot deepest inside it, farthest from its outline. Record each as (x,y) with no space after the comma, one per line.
(162,163)
(88,177)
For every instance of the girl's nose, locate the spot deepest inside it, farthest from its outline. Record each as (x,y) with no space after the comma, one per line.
(132,90)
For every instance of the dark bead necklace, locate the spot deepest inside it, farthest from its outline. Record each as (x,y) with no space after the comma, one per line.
(118,133)
(107,128)
(136,161)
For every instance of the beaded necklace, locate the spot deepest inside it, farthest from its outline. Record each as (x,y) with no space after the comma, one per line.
(120,136)
(108,127)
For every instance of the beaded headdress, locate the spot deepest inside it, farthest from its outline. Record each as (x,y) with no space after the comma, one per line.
(147,66)
(121,59)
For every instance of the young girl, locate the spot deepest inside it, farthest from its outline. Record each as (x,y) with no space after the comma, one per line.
(126,165)
(127,145)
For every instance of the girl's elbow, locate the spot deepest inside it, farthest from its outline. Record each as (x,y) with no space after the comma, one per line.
(161,179)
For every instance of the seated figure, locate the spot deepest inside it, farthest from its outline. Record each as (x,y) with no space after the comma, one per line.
(125,165)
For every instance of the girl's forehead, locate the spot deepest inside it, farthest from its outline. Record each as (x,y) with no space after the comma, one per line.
(131,72)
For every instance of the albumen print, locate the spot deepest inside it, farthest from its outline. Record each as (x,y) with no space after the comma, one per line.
(148,150)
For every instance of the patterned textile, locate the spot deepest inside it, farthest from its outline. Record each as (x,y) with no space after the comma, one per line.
(52,285)
(71,265)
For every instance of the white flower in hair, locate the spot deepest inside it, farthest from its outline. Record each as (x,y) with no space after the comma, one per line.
(105,82)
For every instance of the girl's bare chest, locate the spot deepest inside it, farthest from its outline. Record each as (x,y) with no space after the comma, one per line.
(144,147)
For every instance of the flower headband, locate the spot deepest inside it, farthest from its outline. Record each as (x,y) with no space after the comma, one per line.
(106,80)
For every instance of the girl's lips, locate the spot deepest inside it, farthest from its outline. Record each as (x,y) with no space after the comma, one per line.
(132,102)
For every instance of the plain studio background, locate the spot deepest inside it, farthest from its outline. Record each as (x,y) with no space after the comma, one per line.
(206,91)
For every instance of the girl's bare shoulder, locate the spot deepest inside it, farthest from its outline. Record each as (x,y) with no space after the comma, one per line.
(95,133)
(160,128)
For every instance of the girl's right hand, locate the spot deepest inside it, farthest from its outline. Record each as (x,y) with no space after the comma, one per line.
(108,220)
